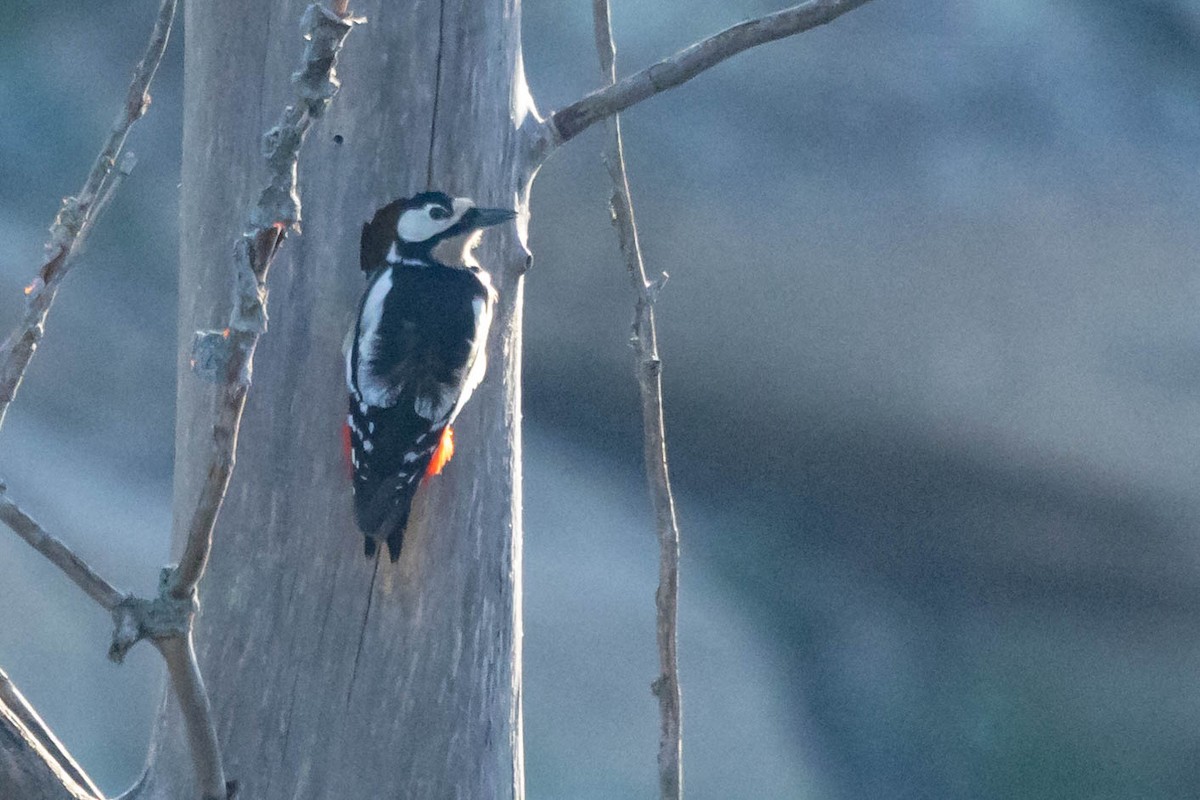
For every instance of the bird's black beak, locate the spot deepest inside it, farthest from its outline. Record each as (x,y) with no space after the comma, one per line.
(486,217)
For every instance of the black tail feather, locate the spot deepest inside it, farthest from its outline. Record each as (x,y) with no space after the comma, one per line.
(395,524)
(383,517)
(394,541)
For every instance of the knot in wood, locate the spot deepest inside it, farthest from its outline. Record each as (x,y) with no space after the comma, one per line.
(67,223)
(162,617)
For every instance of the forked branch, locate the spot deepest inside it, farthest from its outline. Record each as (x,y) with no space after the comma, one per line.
(572,120)
(227,356)
(79,213)
(223,356)
(649,369)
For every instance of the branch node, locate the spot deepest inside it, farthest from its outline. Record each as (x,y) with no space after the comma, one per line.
(67,224)
(138,106)
(163,617)
(653,73)
(653,288)
(316,83)
(249,313)
(324,31)
(211,354)
(32,292)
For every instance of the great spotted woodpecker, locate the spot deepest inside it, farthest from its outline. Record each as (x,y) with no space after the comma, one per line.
(416,351)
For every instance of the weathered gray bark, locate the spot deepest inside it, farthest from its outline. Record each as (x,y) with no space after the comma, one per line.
(329,676)
(332,676)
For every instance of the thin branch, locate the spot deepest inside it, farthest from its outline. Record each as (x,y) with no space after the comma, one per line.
(226,356)
(189,689)
(649,372)
(77,215)
(74,567)
(569,121)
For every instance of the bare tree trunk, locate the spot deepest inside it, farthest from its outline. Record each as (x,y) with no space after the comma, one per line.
(331,676)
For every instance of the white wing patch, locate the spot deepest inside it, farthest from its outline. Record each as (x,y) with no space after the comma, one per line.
(372,390)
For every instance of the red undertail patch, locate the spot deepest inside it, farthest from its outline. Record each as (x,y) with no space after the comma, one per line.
(443,454)
(346,450)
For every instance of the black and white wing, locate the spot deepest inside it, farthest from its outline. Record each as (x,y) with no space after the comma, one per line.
(416,356)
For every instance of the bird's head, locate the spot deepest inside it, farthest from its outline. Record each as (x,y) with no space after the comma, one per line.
(430,225)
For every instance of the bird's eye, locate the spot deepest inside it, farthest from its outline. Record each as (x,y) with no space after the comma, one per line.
(437,212)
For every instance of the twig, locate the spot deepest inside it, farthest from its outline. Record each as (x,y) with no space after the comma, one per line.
(226,356)
(569,121)
(74,567)
(77,215)
(645,343)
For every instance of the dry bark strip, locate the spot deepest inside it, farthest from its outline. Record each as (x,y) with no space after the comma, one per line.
(644,340)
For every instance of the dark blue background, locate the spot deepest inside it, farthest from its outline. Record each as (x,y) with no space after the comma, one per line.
(932,359)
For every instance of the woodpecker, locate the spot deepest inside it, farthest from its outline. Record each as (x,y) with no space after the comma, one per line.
(416,351)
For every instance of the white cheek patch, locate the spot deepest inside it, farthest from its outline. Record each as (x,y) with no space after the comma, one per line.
(415,225)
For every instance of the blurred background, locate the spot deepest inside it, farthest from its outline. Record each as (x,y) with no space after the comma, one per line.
(932,369)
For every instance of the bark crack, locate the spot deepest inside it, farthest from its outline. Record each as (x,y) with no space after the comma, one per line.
(362,631)
(437,91)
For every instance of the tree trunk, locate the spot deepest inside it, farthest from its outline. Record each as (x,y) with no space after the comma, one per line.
(330,675)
